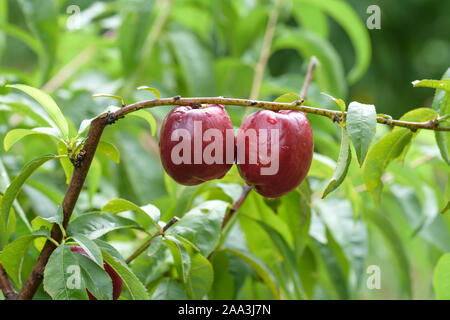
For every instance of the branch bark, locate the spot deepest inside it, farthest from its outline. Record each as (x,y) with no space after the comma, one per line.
(8,290)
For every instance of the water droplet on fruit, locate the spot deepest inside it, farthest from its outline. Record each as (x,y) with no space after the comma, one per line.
(208,114)
(271,120)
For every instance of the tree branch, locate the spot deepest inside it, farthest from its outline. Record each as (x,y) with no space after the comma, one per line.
(236,205)
(147,243)
(70,199)
(8,290)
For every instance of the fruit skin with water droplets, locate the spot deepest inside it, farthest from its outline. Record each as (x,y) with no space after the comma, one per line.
(296,146)
(117,281)
(212,116)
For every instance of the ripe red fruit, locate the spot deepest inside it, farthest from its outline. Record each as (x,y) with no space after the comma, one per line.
(197,144)
(116,279)
(295,151)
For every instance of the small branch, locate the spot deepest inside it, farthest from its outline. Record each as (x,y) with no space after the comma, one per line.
(265,50)
(236,205)
(147,243)
(308,79)
(8,290)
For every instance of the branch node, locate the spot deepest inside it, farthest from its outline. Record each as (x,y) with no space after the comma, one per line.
(110,118)
(253,103)
(138,107)
(176,98)
(78,159)
(196,106)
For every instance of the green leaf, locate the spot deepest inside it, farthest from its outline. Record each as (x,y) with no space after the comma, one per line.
(443,84)
(322,167)
(96,279)
(287,98)
(441,103)
(153,90)
(200,278)
(90,247)
(181,257)
(13,254)
(169,289)
(65,161)
(259,267)
(311,18)
(109,150)
(343,163)
(112,96)
(135,287)
(38,117)
(361,126)
(223,285)
(390,147)
(15,135)
(202,225)
(395,244)
(62,276)
(95,225)
(330,75)
(14,188)
(147,116)
(346,16)
(288,269)
(441,278)
(149,211)
(49,104)
(195,62)
(340,103)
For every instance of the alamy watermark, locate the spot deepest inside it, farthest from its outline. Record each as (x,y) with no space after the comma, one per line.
(374,20)
(258,149)
(374,277)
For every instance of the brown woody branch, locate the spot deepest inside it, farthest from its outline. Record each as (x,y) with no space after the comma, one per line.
(8,290)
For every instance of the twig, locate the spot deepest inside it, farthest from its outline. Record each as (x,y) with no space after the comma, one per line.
(147,243)
(245,191)
(308,78)
(265,50)
(8,290)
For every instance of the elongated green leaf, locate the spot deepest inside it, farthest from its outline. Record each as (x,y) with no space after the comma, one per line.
(343,163)
(109,150)
(147,116)
(65,161)
(394,242)
(135,287)
(17,134)
(181,257)
(344,14)
(149,211)
(441,278)
(443,84)
(38,117)
(95,225)
(153,90)
(96,279)
(361,127)
(49,104)
(330,74)
(62,276)
(169,289)
(340,103)
(223,285)
(13,254)
(322,167)
(14,188)
(287,98)
(90,247)
(200,277)
(441,103)
(202,225)
(390,147)
(259,267)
